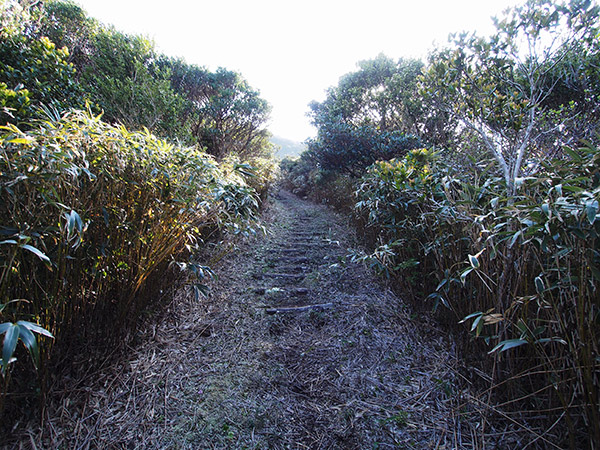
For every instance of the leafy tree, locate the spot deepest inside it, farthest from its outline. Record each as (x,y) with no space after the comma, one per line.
(67,25)
(382,94)
(127,85)
(191,83)
(505,88)
(230,121)
(118,72)
(125,78)
(344,148)
(368,116)
(225,115)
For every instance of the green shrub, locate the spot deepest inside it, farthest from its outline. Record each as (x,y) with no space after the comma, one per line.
(348,149)
(522,271)
(93,214)
(397,202)
(33,72)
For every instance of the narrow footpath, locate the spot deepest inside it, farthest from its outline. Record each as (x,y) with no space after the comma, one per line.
(295,348)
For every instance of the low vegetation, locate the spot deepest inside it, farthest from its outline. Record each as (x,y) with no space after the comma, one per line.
(474,180)
(491,218)
(100,222)
(93,213)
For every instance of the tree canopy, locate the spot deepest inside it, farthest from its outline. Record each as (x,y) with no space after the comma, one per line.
(53,55)
(373,113)
(382,94)
(527,90)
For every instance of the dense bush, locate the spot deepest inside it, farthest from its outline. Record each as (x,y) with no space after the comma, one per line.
(33,72)
(121,76)
(52,55)
(350,150)
(99,222)
(393,198)
(523,271)
(498,227)
(97,219)
(92,215)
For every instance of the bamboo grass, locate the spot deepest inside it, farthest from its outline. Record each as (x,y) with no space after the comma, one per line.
(111,210)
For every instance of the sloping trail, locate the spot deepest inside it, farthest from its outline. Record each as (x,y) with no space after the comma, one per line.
(256,365)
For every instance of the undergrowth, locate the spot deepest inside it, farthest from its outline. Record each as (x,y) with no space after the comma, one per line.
(93,214)
(520,272)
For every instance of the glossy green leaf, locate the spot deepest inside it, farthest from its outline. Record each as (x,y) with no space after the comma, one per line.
(546,209)
(508,344)
(11,336)
(35,328)
(591,210)
(558,189)
(476,322)
(552,339)
(74,222)
(539,285)
(442,284)
(470,316)
(36,252)
(30,343)
(463,276)
(577,232)
(522,326)
(514,239)
(573,154)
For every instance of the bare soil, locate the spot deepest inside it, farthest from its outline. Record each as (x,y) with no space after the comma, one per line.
(295,348)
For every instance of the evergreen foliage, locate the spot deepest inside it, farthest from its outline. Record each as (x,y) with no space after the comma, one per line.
(495,225)
(54,56)
(98,219)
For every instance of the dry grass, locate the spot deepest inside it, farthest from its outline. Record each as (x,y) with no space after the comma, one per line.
(221,373)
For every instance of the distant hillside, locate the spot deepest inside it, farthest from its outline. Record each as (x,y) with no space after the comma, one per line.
(287,147)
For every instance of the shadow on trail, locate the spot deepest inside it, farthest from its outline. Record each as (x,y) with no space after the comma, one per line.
(294,349)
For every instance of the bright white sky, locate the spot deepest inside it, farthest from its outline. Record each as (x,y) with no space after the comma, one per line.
(293,50)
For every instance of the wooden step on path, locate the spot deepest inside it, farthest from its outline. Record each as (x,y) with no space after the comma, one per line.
(293,269)
(297,245)
(307,237)
(303,241)
(286,276)
(289,250)
(290,292)
(287,309)
(294,259)
(288,260)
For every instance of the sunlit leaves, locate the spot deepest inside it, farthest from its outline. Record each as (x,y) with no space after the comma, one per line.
(34,72)
(528,266)
(381,94)
(523,91)
(100,214)
(225,114)
(373,114)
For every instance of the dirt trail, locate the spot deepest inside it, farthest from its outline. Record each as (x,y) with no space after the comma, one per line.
(257,365)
